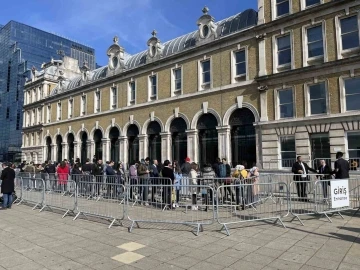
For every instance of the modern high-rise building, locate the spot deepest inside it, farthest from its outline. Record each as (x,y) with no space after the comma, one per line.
(22,48)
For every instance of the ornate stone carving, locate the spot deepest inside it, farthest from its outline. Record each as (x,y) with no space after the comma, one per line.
(261,36)
(155,48)
(115,53)
(263,88)
(85,72)
(207,27)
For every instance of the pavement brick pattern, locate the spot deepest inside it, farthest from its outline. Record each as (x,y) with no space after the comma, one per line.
(30,240)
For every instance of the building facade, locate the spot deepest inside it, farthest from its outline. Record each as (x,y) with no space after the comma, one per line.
(255,88)
(23,47)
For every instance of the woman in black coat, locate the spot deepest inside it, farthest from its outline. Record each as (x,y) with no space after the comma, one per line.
(7,185)
(167,173)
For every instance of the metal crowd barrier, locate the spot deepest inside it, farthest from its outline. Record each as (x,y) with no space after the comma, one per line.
(109,207)
(32,192)
(161,202)
(251,203)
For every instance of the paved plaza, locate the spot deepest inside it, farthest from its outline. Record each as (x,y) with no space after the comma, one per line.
(32,240)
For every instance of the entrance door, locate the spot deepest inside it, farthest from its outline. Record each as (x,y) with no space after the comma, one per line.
(208,139)
(320,148)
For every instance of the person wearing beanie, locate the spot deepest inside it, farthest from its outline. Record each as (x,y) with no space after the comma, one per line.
(186,167)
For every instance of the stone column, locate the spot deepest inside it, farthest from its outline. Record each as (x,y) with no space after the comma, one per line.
(123,148)
(165,146)
(263,103)
(224,144)
(54,152)
(106,149)
(261,12)
(192,144)
(90,149)
(65,151)
(262,54)
(143,146)
(44,151)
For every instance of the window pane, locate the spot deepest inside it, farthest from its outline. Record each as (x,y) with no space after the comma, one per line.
(349,24)
(177,74)
(317,91)
(287,143)
(285,96)
(318,106)
(206,66)
(286,110)
(206,77)
(353,102)
(314,33)
(283,43)
(283,8)
(284,57)
(316,49)
(153,80)
(312,2)
(350,40)
(240,56)
(241,68)
(352,86)
(178,84)
(353,141)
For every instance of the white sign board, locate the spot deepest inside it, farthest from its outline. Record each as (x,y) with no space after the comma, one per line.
(340,196)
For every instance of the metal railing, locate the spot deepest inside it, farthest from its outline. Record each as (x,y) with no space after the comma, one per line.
(191,202)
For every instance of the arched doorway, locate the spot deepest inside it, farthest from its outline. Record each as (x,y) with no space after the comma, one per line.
(84,154)
(98,144)
(178,139)
(154,139)
(208,139)
(48,148)
(133,141)
(70,141)
(243,138)
(114,144)
(59,141)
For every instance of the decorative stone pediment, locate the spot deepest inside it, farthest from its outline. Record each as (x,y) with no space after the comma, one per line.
(207,27)
(62,82)
(116,57)
(155,48)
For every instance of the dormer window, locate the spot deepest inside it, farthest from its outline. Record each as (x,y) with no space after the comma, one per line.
(116,56)
(153,51)
(207,27)
(115,61)
(205,31)
(155,48)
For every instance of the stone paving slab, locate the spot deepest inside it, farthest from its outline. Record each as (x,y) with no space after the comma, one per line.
(44,241)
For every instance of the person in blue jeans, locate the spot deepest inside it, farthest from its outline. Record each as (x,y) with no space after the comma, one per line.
(7,185)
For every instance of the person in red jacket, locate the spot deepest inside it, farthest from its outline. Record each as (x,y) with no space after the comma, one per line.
(63,173)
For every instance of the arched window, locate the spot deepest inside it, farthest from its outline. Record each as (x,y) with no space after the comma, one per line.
(70,141)
(59,141)
(114,143)
(208,139)
(178,139)
(133,142)
(154,139)
(98,144)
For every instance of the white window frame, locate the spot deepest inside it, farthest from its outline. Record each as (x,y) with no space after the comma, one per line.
(48,113)
(204,86)
(279,153)
(130,100)
(347,141)
(112,105)
(277,102)
(342,79)
(303,4)
(152,97)
(349,52)
(276,67)
(234,77)
(28,119)
(58,110)
(274,10)
(33,117)
(307,97)
(318,59)
(70,108)
(176,92)
(83,105)
(97,103)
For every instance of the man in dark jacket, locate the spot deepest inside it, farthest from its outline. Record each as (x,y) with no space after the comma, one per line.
(341,167)
(216,167)
(186,167)
(167,183)
(301,171)
(7,185)
(325,170)
(88,171)
(154,174)
(99,175)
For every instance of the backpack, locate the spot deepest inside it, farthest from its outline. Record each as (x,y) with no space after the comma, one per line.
(222,170)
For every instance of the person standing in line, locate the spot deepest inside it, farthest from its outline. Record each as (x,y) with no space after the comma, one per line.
(50,169)
(133,177)
(99,177)
(167,173)
(325,172)
(186,167)
(301,170)
(154,174)
(63,173)
(177,185)
(89,173)
(143,173)
(7,185)
(341,166)
(216,167)
(110,179)
(193,181)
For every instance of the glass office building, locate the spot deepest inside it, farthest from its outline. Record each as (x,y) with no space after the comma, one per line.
(21,48)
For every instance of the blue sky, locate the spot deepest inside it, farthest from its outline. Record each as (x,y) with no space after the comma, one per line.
(95,22)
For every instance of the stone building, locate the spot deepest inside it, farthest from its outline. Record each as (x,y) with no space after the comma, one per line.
(257,87)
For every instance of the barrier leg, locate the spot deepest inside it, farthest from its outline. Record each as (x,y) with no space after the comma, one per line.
(226,229)
(113,221)
(295,216)
(279,219)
